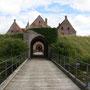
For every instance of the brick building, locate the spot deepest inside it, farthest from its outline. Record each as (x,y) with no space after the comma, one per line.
(65,28)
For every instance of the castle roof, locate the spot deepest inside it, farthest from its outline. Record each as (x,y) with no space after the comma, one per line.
(39,18)
(14,28)
(39,22)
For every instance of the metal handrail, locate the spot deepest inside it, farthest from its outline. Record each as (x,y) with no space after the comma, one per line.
(9,59)
(74,66)
(5,69)
(9,65)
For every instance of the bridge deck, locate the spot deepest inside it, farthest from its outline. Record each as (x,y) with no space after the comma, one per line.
(40,74)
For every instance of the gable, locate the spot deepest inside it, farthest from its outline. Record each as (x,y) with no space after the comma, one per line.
(39,23)
(14,28)
(66,28)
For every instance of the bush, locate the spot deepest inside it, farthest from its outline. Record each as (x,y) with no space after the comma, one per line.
(11,47)
(18,36)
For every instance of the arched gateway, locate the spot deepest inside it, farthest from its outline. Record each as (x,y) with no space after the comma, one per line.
(38,46)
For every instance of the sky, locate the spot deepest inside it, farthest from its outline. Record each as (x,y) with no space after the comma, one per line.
(77,11)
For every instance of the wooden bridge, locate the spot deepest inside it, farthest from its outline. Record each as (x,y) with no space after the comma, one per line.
(40,74)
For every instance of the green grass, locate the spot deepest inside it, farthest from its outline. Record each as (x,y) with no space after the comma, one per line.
(74,47)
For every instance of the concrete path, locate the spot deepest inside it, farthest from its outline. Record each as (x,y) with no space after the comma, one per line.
(40,74)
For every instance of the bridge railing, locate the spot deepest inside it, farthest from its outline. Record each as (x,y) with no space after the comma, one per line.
(79,69)
(9,65)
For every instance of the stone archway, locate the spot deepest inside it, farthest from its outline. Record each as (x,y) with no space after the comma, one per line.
(39,47)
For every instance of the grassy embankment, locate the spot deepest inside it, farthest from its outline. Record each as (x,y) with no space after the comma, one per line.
(11,45)
(12,53)
(75,47)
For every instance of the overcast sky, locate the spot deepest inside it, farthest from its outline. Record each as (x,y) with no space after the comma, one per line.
(78,12)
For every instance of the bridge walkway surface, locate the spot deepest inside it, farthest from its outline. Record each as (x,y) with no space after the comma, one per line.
(40,74)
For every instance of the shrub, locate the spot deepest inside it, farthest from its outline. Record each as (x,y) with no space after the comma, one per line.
(18,36)
(12,47)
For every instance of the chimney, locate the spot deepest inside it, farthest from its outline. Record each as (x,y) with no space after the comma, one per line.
(14,20)
(65,17)
(46,21)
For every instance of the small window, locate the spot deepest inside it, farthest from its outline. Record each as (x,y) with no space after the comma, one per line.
(62,28)
(68,28)
(39,22)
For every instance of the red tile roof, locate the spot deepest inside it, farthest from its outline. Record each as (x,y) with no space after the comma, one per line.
(15,28)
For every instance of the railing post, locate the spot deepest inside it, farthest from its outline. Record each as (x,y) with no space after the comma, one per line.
(59,56)
(76,70)
(77,66)
(69,67)
(64,61)
(60,59)
(87,75)
(16,61)
(68,64)
(19,59)
(12,63)
(50,54)
(6,69)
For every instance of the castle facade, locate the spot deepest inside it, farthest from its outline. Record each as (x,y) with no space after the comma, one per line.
(64,28)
